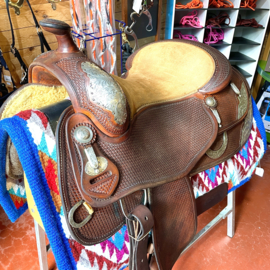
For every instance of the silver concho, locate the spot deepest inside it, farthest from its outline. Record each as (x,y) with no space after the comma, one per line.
(245,132)
(243,101)
(235,89)
(102,165)
(211,102)
(83,134)
(105,92)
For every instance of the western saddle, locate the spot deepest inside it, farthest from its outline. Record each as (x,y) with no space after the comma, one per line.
(127,146)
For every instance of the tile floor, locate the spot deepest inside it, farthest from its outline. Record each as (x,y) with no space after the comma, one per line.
(18,248)
(249,249)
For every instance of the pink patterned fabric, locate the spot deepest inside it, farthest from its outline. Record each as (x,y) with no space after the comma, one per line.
(111,254)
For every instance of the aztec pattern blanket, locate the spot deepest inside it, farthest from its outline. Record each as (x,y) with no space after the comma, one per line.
(35,143)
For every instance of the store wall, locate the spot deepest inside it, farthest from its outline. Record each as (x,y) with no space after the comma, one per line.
(27,41)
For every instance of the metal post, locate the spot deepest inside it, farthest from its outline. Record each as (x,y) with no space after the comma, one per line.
(231,216)
(41,247)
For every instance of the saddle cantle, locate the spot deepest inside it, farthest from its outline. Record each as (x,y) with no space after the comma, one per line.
(134,141)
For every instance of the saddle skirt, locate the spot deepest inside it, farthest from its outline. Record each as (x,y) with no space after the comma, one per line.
(180,109)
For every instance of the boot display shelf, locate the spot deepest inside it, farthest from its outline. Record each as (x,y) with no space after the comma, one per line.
(241,45)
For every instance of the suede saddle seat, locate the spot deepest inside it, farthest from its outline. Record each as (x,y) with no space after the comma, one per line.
(180,109)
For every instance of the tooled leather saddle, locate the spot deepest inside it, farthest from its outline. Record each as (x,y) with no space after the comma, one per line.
(127,146)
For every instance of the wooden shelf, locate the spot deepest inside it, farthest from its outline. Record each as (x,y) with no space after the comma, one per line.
(189,9)
(221,9)
(210,9)
(256,9)
(220,43)
(241,45)
(180,27)
(222,26)
(244,41)
(214,27)
(237,57)
(246,74)
(243,27)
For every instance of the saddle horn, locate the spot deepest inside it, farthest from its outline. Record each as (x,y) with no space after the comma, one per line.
(62,32)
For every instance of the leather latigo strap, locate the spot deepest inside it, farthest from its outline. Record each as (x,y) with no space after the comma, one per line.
(211,198)
(175,219)
(140,222)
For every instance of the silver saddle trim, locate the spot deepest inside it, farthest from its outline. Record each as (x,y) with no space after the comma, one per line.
(214,154)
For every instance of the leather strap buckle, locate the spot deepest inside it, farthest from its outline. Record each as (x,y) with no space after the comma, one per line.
(71,220)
